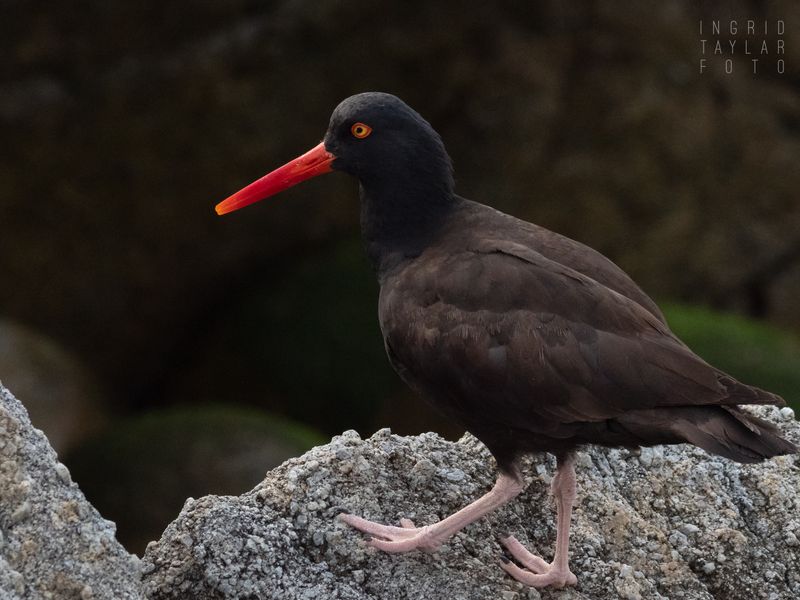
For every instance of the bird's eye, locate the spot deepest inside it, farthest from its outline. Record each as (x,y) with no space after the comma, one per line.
(360,130)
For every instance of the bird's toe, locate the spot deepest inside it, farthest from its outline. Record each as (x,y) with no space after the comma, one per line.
(523,556)
(417,542)
(407,523)
(390,538)
(553,577)
(388,532)
(532,570)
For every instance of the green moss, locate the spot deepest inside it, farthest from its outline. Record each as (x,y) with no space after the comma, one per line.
(216,421)
(751,351)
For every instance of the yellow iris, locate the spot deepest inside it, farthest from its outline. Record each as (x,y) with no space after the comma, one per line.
(360,130)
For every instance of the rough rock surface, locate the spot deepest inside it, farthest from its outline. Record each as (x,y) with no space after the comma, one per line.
(53,543)
(667,522)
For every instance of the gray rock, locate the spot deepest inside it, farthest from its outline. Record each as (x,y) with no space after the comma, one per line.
(689,526)
(53,544)
(679,524)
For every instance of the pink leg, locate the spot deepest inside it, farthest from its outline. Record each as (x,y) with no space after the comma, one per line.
(539,573)
(428,538)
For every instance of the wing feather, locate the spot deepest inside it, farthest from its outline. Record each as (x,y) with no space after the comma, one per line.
(504,330)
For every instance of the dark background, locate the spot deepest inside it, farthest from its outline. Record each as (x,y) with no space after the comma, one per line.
(168,352)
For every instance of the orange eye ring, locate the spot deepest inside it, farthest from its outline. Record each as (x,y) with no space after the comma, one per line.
(360,130)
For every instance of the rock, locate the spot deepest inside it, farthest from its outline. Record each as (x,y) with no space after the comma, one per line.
(692,526)
(53,543)
(689,525)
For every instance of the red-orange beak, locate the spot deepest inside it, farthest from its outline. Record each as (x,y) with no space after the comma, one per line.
(314,162)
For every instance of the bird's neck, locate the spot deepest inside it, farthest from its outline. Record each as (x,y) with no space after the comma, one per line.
(400,220)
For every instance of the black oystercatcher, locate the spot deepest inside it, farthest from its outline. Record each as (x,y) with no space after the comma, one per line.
(532,341)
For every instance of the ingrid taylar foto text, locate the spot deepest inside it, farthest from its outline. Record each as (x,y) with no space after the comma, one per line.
(729,44)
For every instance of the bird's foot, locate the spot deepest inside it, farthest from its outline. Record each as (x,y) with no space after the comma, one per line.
(537,573)
(388,538)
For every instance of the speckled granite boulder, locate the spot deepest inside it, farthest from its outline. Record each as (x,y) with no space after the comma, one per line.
(658,523)
(53,543)
(669,522)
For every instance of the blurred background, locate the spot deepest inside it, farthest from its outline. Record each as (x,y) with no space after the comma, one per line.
(168,352)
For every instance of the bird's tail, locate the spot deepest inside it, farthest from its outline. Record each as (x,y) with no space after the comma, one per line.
(732,433)
(724,430)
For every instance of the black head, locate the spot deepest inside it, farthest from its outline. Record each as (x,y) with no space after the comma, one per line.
(378,139)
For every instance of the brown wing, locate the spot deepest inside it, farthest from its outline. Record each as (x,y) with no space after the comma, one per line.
(503,332)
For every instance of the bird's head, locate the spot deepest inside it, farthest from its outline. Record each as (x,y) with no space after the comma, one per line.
(373,136)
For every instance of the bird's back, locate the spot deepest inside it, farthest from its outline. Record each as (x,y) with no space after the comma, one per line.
(486,222)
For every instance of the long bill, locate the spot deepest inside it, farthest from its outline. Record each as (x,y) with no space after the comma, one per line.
(311,164)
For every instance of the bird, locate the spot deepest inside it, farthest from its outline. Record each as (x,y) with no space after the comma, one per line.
(532,341)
